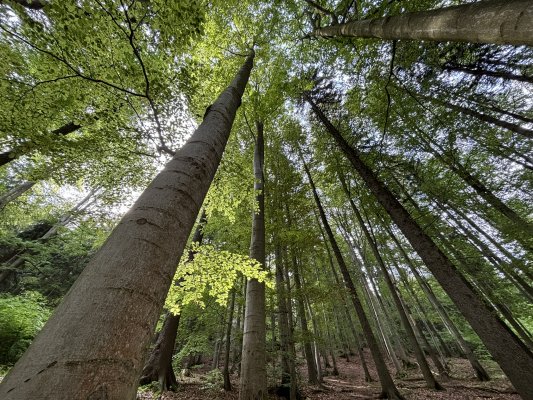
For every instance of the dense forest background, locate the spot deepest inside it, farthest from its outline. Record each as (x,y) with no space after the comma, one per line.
(385,185)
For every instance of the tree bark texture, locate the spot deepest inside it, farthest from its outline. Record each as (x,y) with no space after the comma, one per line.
(493,21)
(158,367)
(515,359)
(253,385)
(94,344)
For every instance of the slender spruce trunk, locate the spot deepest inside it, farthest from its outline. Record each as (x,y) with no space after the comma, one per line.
(388,388)
(253,385)
(493,21)
(515,359)
(94,344)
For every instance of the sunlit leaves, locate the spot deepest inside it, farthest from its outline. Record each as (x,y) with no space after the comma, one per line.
(213,272)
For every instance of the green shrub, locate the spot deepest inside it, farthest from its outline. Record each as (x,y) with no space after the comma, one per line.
(21,317)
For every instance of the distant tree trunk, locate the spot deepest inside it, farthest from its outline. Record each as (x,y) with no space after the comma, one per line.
(253,369)
(283,320)
(14,193)
(312,373)
(94,344)
(495,21)
(431,382)
(225,370)
(485,72)
(518,223)
(294,392)
(12,154)
(351,324)
(489,119)
(158,366)
(388,388)
(515,359)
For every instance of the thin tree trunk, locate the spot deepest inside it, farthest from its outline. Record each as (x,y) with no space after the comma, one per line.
(528,133)
(495,21)
(312,373)
(388,388)
(94,344)
(515,359)
(15,193)
(431,382)
(283,319)
(225,371)
(253,384)
(485,72)
(12,154)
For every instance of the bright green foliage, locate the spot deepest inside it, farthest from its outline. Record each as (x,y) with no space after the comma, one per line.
(211,271)
(21,317)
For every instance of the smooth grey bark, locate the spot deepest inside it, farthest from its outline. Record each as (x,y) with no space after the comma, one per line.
(158,367)
(253,383)
(94,344)
(515,359)
(388,388)
(493,21)
(14,193)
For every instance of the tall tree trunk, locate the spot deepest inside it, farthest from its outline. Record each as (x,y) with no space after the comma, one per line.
(15,193)
(225,370)
(253,370)
(312,373)
(518,223)
(431,382)
(351,324)
(283,320)
(515,359)
(485,72)
(158,366)
(494,21)
(94,344)
(489,119)
(388,388)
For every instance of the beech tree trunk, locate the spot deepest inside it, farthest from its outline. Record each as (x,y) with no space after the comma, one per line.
(388,388)
(158,367)
(515,359)
(493,21)
(94,344)
(253,385)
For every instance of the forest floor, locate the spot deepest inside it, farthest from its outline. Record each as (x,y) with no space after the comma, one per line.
(350,384)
